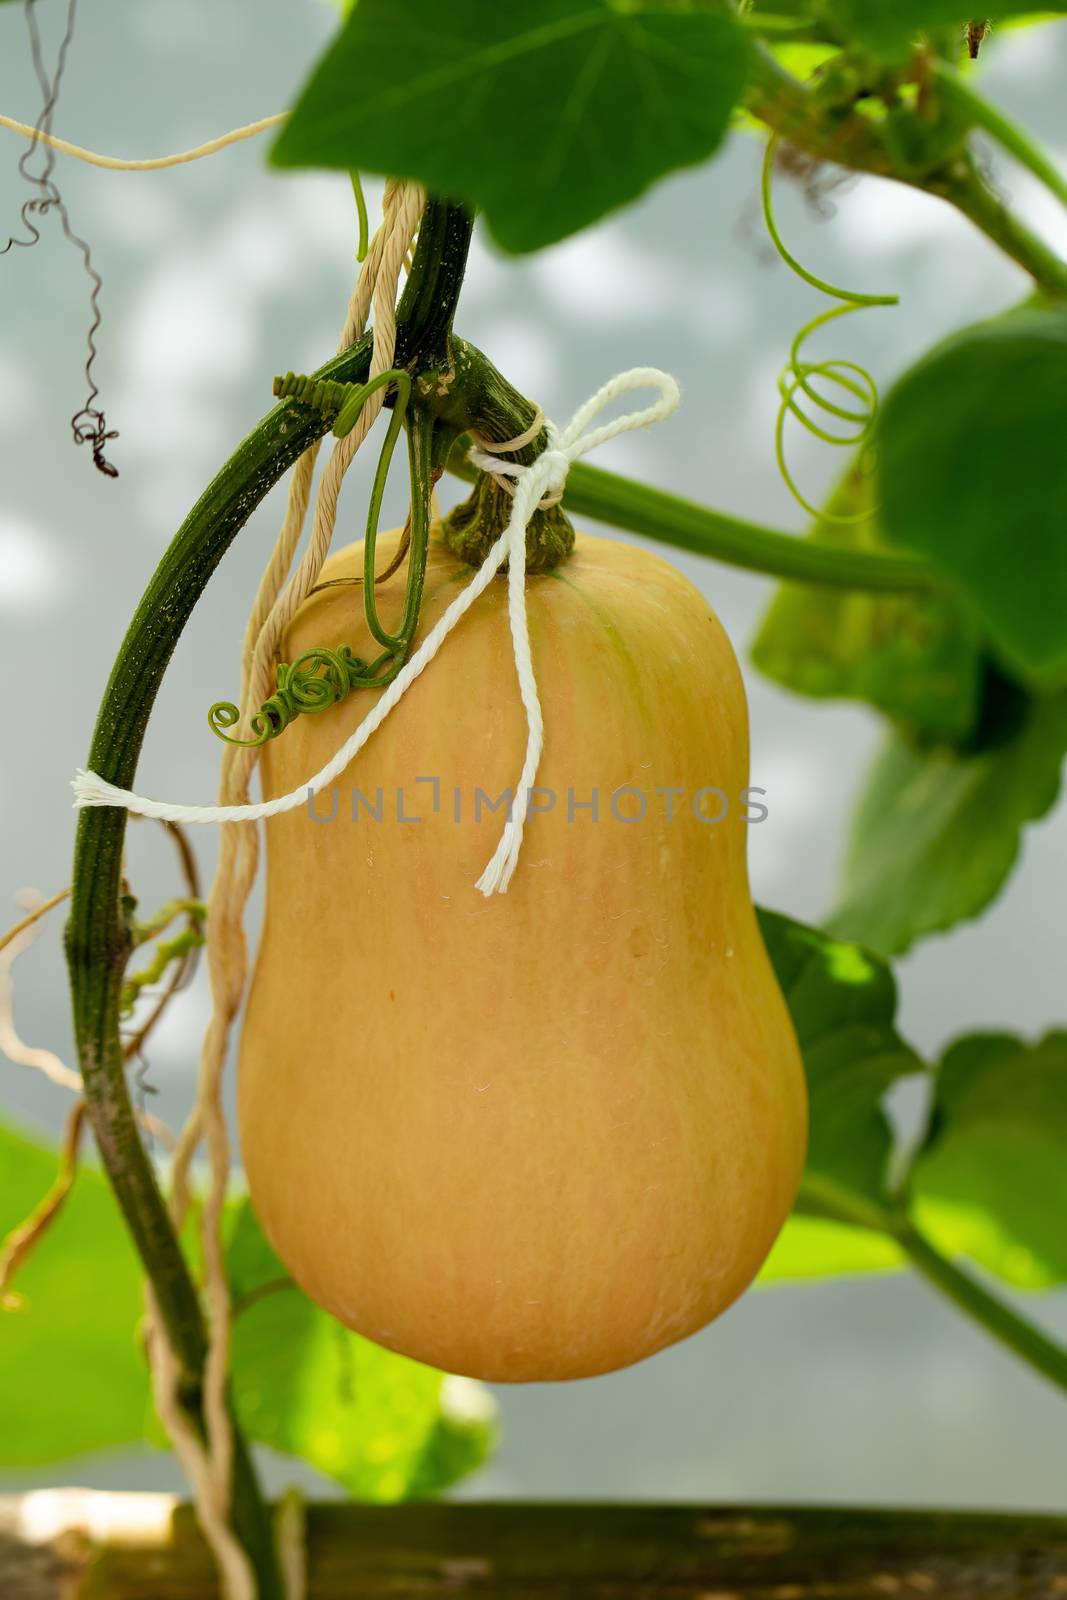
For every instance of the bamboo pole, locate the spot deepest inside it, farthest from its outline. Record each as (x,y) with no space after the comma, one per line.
(79,1544)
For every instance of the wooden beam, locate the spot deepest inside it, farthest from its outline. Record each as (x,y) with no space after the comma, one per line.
(87,1545)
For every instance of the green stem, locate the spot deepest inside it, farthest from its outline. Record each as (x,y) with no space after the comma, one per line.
(958,92)
(427,307)
(823,1198)
(995,1316)
(841,135)
(98,938)
(963,187)
(667,518)
(789,108)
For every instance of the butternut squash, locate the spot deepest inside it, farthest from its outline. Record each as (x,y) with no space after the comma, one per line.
(545,1134)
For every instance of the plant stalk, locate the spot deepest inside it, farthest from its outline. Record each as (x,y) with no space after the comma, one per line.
(998,1318)
(983,114)
(839,134)
(667,518)
(963,187)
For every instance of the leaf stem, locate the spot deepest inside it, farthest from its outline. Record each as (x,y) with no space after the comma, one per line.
(841,135)
(963,187)
(824,1198)
(667,518)
(998,1318)
(958,92)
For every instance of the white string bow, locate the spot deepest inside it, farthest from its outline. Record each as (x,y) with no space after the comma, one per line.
(540,483)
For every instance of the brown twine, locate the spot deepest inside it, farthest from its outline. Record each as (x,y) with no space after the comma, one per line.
(209,1468)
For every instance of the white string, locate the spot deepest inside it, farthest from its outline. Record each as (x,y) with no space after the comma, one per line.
(539,483)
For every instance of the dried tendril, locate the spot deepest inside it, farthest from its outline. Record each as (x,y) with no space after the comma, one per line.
(180,960)
(89,424)
(23,1240)
(798,378)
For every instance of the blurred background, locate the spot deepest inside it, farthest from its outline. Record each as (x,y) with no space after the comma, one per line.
(220,274)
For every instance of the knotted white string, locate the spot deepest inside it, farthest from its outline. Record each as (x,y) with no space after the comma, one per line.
(537,484)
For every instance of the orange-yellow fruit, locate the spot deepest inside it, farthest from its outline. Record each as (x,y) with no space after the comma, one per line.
(545,1134)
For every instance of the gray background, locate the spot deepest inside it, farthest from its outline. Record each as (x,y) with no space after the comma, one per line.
(218,275)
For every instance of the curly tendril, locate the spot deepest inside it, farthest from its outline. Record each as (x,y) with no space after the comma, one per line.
(322,676)
(850,424)
(314,682)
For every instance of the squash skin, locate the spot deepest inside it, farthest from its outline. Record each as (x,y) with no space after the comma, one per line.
(546,1134)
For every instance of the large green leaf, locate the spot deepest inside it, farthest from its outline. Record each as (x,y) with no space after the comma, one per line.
(973,474)
(937,832)
(72,1378)
(991,1182)
(917,658)
(545,116)
(843,1001)
(385,1427)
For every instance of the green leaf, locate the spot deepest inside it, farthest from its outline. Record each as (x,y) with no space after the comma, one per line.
(816,1247)
(72,1377)
(973,475)
(546,116)
(843,1001)
(889,29)
(991,1182)
(916,658)
(937,832)
(385,1427)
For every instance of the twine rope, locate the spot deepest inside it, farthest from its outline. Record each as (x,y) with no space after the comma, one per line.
(208,1468)
(503,446)
(290,1535)
(154,163)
